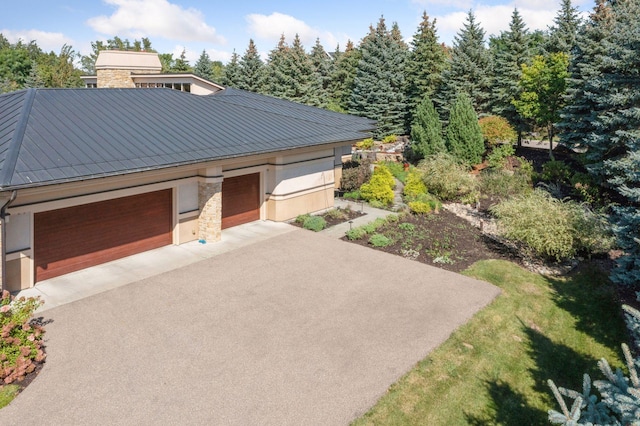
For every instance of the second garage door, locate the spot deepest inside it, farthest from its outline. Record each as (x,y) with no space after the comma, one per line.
(75,238)
(240,200)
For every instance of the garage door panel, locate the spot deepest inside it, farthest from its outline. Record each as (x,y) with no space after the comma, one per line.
(74,238)
(240,200)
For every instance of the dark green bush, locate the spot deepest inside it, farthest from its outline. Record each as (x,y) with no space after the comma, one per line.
(353,195)
(503,183)
(556,171)
(314,223)
(498,156)
(301,218)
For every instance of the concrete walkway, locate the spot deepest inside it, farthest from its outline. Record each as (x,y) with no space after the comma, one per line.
(297,329)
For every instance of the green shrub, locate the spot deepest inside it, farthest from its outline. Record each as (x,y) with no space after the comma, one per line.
(503,184)
(420,207)
(550,228)
(497,130)
(498,156)
(20,337)
(372,227)
(352,195)
(380,240)
(378,204)
(392,218)
(354,174)
(556,171)
(397,170)
(337,214)
(390,139)
(301,218)
(585,187)
(447,179)
(406,226)
(314,223)
(414,186)
(365,144)
(379,187)
(356,233)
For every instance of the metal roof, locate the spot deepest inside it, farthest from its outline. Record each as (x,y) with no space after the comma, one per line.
(52,136)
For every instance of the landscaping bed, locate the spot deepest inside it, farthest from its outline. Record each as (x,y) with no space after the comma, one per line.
(440,239)
(331,217)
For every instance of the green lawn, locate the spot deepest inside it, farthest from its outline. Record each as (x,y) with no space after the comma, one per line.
(493,370)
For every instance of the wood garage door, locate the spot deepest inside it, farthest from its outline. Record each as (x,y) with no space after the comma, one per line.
(240,200)
(75,238)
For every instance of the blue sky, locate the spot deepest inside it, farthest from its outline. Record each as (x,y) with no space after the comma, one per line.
(219,27)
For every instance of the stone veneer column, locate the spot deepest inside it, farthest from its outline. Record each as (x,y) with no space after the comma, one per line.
(210,204)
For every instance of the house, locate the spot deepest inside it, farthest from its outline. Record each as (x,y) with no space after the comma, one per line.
(92,175)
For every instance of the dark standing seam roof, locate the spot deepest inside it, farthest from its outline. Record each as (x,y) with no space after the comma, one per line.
(52,136)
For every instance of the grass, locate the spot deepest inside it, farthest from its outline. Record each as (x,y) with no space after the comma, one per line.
(7,393)
(493,370)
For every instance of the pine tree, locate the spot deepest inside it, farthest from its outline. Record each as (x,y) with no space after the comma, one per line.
(379,84)
(203,68)
(181,64)
(562,36)
(425,64)
(343,75)
(322,68)
(231,75)
(34,79)
(469,69)
(578,118)
(464,136)
(277,79)
(426,131)
(510,51)
(251,69)
(306,83)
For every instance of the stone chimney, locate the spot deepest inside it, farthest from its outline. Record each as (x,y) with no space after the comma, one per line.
(114,67)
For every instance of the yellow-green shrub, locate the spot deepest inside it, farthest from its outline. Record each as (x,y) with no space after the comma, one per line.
(414,185)
(380,187)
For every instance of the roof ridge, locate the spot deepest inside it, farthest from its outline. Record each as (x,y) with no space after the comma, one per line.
(11,159)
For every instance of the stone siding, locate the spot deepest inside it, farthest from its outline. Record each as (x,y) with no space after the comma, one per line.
(210,205)
(118,78)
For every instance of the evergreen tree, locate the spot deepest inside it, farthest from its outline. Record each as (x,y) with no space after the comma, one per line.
(322,68)
(231,75)
(510,51)
(251,69)
(562,36)
(425,64)
(342,76)
(378,87)
(426,131)
(469,69)
(181,65)
(578,118)
(464,136)
(306,83)
(34,79)
(277,79)
(203,67)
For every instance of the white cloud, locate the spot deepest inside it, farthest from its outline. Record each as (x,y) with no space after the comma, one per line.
(46,41)
(149,18)
(457,4)
(269,28)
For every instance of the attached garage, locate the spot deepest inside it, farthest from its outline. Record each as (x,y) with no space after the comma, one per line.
(74,238)
(240,200)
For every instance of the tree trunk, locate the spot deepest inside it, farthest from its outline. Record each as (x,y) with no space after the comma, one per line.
(550,131)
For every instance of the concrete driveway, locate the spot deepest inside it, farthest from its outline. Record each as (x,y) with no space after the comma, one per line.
(298,329)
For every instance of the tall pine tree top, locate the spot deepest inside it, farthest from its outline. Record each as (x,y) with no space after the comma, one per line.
(379,85)
(470,69)
(562,36)
(277,81)
(231,75)
(342,76)
(251,69)
(425,64)
(203,68)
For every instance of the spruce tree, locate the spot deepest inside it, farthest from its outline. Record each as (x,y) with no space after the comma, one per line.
(343,75)
(562,36)
(578,117)
(181,65)
(425,63)
(379,84)
(202,68)
(277,78)
(426,131)
(469,69)
(464,136)
(322,68)
(231,75)
(305,82)
(510,51)
(251,69)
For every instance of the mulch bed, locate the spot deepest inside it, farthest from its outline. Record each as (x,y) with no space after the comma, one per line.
(451,241)
(332,221)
